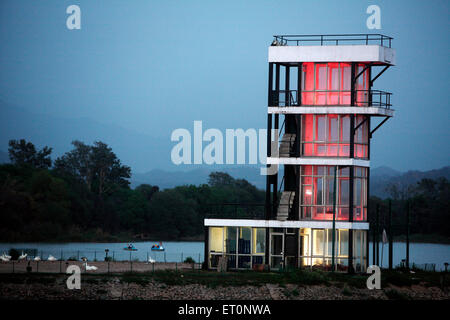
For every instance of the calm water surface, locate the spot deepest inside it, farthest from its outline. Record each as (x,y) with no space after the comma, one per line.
(420,253)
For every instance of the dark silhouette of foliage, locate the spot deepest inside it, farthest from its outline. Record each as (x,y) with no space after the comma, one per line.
(22,153)
(86,197)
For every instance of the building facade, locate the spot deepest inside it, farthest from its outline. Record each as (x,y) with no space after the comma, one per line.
(321,103)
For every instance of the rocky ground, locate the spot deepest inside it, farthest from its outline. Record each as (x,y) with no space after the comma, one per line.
(115,288)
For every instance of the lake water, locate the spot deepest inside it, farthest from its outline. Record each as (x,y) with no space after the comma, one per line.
(174,251)
(420,253)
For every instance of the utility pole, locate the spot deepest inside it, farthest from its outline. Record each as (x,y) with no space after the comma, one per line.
(390,235)
(407,234)
(377,229)
(334,220)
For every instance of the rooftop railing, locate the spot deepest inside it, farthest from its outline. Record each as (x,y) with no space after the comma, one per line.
(235,211)
(332,39)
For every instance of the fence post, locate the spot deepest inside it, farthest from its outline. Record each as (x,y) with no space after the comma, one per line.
(113,257)
(61,255)
(95,255)
(165,257)
(131,266)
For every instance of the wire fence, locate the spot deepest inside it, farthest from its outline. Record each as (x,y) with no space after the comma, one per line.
(52,261)
(110,255)
(102,267)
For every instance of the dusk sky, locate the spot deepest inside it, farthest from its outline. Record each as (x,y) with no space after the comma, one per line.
(155,66)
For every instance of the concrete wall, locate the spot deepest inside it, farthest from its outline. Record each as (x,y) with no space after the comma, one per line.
(339,53)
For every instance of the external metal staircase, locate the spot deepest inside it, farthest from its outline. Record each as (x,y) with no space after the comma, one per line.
(287,144)
(285,204)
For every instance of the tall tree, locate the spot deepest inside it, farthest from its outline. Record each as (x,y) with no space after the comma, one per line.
(96,165)
(22,152)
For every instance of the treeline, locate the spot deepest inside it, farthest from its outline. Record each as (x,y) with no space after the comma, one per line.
(84,195)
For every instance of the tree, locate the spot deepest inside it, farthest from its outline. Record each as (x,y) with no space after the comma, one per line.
(22,152)
(219,179)
(96,165)
(147,190)
(77,163)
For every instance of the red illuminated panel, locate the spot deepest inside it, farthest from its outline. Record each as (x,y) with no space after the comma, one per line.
(325,135)
(308,83)
(330,84)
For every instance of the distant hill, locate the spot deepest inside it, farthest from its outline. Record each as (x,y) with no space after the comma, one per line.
(379,182)
(380,177)
(384,171)
(169,179)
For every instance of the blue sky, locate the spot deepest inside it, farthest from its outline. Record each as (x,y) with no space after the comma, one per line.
(154,66)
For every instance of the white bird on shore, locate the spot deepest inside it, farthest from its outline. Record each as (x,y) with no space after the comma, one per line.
(150,260)
(37,258)
(51,258)
(4,258)
(23,256)
(89,268)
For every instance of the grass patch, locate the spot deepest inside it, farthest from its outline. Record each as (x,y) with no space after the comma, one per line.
(393,294)
(346,291)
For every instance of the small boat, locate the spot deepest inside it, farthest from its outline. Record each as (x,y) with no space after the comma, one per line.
(130,247)
(158,247)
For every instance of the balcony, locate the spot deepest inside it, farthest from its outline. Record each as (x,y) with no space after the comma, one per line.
(363,98)
(369,48)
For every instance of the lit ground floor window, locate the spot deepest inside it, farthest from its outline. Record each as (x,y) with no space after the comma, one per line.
(242,247)
(316,248)
(248,247)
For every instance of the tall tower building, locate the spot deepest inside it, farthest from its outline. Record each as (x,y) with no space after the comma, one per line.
(320,107)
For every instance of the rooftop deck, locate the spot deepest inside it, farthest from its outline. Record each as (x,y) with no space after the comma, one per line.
(332,39)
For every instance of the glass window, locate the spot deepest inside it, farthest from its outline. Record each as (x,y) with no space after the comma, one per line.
(343,243)
(321,77)
(360,194)
(318,242)
(244,242)
(333,125)
(318,183)
(259,240)
(231,233)
(330,242)
(216,239)
(321,128)
(330,84)
(331,136)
